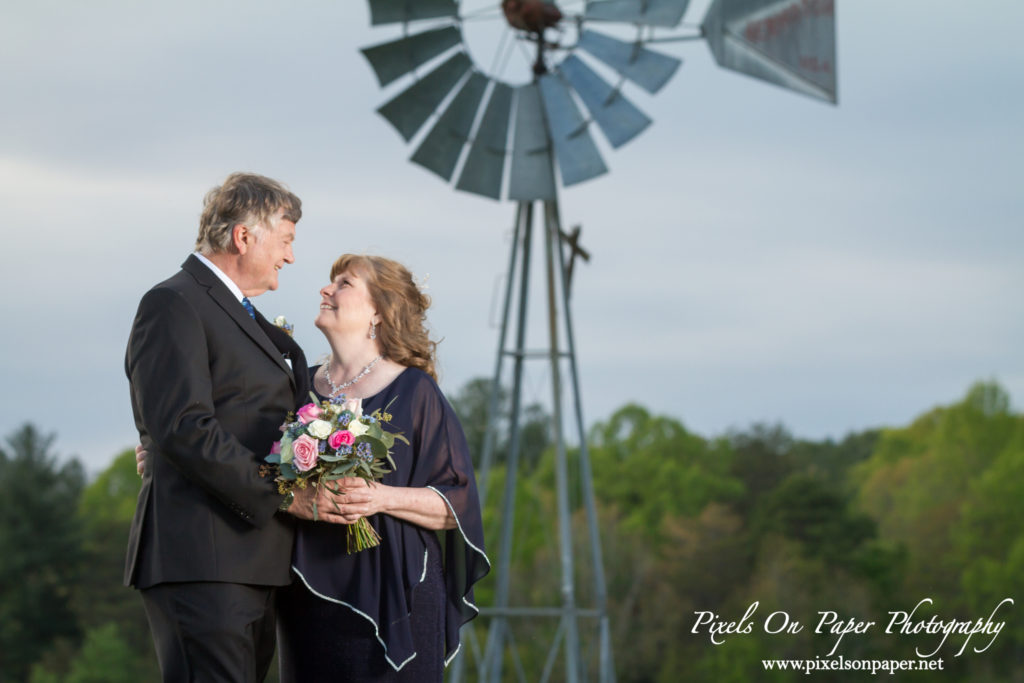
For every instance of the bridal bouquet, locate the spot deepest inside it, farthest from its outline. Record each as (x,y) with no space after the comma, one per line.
(326,440)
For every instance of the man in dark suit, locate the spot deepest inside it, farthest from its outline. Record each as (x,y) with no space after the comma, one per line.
(211,382)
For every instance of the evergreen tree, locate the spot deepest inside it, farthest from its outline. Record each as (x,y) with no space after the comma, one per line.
(40,549)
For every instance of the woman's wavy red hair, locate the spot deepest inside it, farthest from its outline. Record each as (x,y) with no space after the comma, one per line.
(402,307)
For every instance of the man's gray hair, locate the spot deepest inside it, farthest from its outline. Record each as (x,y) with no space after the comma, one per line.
(244,198)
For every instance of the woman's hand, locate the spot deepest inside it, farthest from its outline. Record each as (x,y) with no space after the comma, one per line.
(328,507)
(140,459)
(355,497)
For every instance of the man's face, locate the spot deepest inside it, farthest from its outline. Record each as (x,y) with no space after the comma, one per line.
(266,254)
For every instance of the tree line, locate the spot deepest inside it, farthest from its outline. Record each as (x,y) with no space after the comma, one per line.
(863,526)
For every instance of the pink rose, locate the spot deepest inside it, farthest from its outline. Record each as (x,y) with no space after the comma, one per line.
(342,437)
(309,412)
(306,449)
(275,448)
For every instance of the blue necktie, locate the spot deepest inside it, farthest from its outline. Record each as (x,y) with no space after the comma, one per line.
(248,307)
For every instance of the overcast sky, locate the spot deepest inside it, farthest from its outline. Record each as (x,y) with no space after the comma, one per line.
(758,256)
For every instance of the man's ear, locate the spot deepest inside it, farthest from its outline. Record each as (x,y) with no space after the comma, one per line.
(241,238)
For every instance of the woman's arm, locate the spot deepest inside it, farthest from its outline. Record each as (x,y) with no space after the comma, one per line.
(421,506)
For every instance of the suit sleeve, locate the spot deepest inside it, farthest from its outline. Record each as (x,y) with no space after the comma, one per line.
(168,367)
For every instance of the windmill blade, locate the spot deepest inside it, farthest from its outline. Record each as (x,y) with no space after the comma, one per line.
(532,175)
(440,149)
(792,45)
(398,57)
(618,118)
(410,109)
(647,68)
(400,11)
(485,164)
(644,12)
(577,155)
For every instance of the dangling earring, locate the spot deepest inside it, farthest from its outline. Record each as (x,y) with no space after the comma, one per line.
(373,331)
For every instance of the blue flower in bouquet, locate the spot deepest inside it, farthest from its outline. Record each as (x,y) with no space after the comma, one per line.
(364,451)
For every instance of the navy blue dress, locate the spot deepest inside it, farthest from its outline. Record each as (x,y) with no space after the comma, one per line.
(393,612)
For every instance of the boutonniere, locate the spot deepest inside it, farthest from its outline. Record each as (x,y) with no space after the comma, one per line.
(283,325)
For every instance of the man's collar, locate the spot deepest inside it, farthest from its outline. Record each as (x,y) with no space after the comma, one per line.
(232,287)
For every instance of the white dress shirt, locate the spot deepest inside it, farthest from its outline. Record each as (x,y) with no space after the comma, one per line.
(223,277)
(230,285)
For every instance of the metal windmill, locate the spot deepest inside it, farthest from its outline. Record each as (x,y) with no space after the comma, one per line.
(502,140)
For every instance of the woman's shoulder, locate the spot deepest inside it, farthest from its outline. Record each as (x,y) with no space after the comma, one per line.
(417,379)
(419,386)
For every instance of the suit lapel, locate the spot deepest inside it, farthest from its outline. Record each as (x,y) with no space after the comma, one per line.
(292,352)
(223,297)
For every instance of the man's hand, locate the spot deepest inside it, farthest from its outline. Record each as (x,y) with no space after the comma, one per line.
(140,459)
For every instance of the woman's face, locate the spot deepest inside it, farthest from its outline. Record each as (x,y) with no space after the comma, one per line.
(345,305)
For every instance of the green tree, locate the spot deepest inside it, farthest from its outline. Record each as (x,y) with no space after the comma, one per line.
(809,511)
(948,489)
(100,598)
(111,497)
(989,542)
(761,459)
(652,468)
(472,405)
(831,460)
(40,549)
(918,483)
(105,657)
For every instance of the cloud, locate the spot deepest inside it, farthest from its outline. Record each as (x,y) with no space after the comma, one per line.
(755,255)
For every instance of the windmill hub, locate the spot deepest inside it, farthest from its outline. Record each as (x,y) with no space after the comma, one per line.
(531,15)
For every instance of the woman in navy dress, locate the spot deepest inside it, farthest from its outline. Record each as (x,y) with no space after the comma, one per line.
(392,612)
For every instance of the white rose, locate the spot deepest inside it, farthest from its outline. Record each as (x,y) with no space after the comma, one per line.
(353,404)
(357,428)
(280,321)
(319,429)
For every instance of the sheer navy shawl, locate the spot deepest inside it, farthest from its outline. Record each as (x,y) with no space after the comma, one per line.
(379,584)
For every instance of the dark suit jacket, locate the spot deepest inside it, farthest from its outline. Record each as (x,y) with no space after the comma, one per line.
(210,388)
